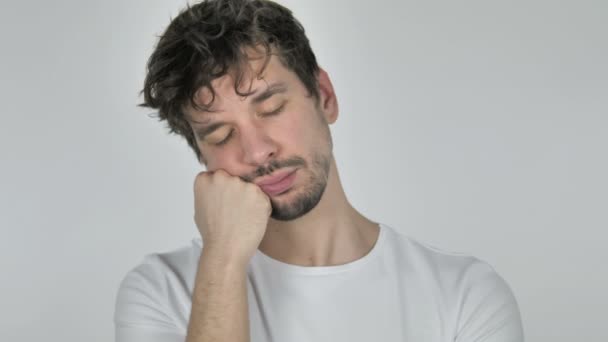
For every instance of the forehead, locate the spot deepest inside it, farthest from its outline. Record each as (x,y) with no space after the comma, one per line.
(256,76)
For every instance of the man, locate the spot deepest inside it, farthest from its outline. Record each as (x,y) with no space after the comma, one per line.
(283,256)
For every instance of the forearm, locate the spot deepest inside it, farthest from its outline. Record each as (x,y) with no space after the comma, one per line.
(219,301)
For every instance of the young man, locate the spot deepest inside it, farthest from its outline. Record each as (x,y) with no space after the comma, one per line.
(283,256)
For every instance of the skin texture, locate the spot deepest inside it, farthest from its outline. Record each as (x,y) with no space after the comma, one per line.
(331,233)
(311,224)
(285,131)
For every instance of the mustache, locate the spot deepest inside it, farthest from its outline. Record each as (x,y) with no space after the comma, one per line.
(272,166)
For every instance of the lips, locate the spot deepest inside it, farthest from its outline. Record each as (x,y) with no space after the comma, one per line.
(277,177)
(277,184)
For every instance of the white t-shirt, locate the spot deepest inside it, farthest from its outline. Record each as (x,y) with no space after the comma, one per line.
(402,290)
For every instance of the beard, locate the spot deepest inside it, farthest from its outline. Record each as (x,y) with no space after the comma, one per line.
(318,174)
(307,198)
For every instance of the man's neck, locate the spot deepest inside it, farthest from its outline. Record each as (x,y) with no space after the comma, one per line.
(333,233)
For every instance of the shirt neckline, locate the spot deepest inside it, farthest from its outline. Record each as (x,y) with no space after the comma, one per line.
(280,266)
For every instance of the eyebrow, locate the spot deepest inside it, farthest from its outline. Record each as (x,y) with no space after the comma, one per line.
(275,88)
(272,89)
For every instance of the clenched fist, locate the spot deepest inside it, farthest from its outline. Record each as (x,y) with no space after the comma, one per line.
(230,214)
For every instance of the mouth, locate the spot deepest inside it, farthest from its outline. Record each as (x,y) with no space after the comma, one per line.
(278,183)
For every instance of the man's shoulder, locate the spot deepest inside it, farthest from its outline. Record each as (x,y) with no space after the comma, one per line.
(161,269)
(458,269)
(417,251)
(155,292)
(479,298)
(177,258)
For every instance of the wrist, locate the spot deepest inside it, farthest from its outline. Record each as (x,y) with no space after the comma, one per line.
(224,259)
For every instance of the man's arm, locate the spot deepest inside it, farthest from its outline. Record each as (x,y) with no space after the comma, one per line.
(219,302)
(219,311)
(232,216)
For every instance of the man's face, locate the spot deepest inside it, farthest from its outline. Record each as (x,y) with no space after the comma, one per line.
(277,131)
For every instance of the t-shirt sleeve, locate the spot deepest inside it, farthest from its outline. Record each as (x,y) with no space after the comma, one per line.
(489,311)
(141,314)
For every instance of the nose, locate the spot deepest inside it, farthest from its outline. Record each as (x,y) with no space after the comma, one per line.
(258,147)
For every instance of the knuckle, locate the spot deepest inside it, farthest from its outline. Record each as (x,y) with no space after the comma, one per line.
(252,187)
(200,178)
(220,173)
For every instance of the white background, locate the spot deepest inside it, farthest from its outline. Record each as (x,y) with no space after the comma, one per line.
(475,126)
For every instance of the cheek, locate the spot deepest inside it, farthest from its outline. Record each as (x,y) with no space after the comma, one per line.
(216,160)
(296,134)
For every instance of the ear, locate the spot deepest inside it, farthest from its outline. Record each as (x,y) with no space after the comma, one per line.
(327,97)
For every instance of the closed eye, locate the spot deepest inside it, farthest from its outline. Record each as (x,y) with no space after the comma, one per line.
(276,111)
(225,140)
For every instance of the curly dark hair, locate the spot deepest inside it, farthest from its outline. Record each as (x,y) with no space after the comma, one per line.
(206,41)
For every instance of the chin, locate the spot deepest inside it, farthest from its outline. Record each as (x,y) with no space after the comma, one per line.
(291,205)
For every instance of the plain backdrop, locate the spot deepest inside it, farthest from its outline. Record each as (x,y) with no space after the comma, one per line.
(475,126)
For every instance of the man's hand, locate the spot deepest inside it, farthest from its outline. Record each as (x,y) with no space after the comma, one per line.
(230,214)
